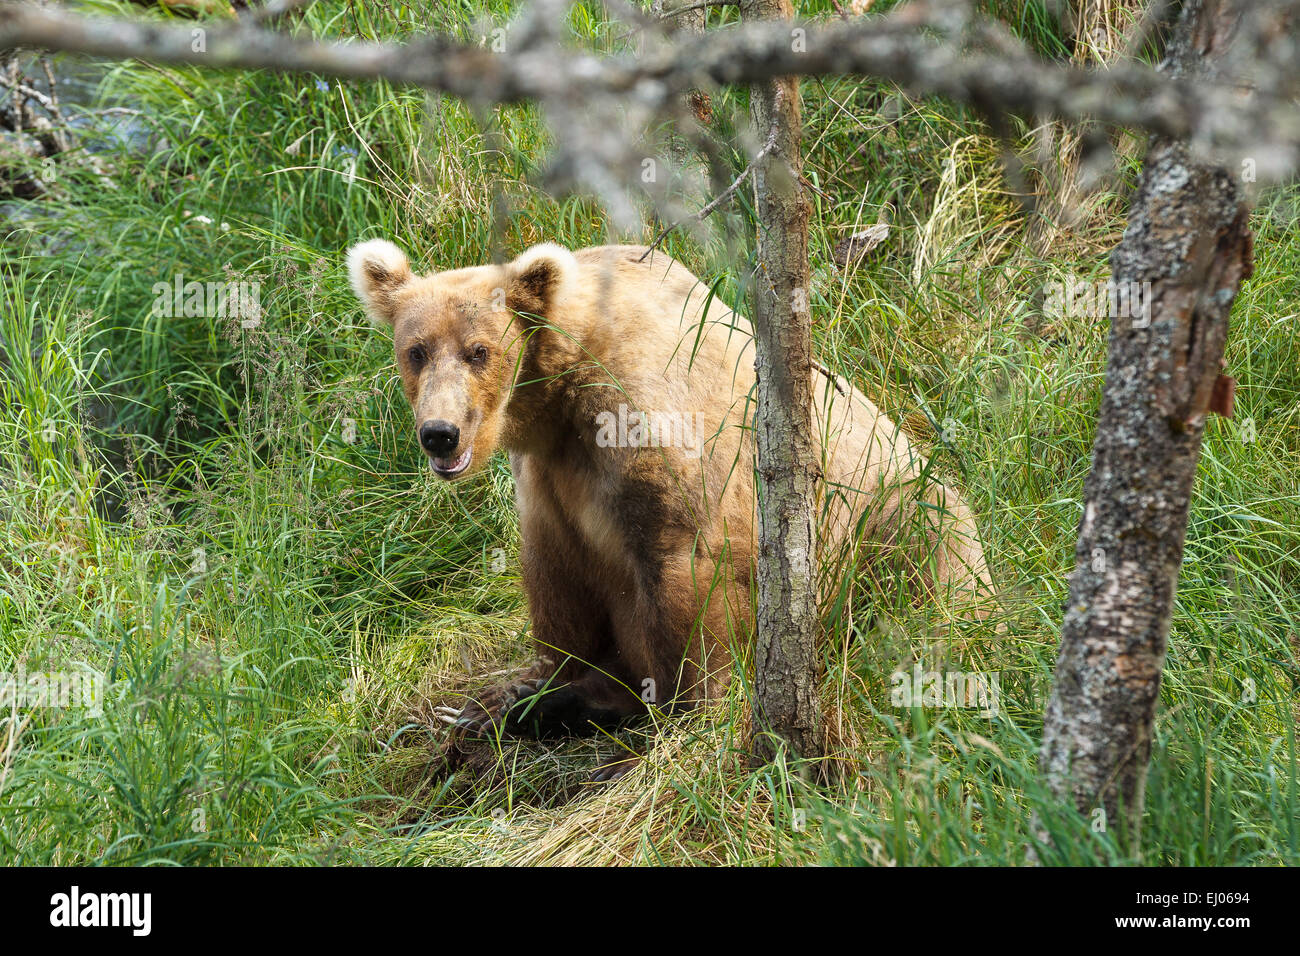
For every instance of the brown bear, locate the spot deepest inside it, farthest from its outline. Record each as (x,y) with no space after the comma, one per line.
(622,391)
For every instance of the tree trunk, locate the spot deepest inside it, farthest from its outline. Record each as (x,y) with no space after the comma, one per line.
(691,19)
(1187,236)
(786,709)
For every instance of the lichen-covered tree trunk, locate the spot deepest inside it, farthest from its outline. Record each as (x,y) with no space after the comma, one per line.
(1188,237)
(786,707)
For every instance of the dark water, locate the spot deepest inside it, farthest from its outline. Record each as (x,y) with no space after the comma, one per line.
(99,122)
(102,121)
(96,121)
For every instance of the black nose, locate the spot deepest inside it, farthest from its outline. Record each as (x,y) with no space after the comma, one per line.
(439,438)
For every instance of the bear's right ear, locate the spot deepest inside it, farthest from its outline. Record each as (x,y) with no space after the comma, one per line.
(540,278)
(377,270)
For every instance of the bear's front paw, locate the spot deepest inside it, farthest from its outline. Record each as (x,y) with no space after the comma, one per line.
(496,710)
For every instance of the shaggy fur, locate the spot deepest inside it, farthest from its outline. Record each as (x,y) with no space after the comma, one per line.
(638,557)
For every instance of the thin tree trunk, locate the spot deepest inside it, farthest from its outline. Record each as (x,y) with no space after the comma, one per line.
(691,18)
(1187,236)
(786,705)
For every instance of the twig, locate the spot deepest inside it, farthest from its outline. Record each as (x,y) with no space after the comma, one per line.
(29,92)
(834,379)
(721,198)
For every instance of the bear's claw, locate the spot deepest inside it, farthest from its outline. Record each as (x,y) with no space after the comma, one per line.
(448,715)
(500,705)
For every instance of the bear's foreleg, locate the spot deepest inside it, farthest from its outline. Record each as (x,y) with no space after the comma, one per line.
(541,704)
(676,640)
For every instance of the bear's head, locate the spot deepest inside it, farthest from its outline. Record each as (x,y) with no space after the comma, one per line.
(462,340)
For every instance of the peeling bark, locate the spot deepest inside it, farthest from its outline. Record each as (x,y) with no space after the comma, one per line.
(786,707)
(1187,235)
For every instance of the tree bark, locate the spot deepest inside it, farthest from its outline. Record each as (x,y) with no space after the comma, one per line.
(690,18)
(1187,236)
(786,708)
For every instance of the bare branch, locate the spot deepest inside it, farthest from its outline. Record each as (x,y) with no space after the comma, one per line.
(892,47)
(722,197)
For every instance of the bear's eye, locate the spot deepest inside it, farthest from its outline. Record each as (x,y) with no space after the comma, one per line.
(415,355)
(478,354)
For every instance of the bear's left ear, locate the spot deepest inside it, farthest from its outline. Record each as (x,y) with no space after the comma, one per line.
(540,278)
(377,270)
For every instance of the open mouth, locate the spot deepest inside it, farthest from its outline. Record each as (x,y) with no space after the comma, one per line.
(450,467)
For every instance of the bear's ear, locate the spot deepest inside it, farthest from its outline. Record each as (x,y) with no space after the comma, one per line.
(540,278)
(377,269)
